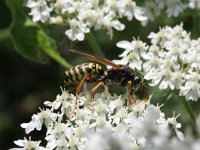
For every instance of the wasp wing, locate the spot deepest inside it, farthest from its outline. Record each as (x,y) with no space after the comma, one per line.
(97,59)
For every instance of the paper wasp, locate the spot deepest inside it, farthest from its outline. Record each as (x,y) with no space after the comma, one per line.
(93,72)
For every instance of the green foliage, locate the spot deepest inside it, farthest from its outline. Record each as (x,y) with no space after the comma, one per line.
(49,47)
(29,38)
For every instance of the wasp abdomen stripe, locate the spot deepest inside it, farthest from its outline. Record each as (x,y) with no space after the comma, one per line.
(77,73)
(68,78)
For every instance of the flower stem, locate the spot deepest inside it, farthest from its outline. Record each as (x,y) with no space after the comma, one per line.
(196,24)
(189,110)
(93,43)
(4,34)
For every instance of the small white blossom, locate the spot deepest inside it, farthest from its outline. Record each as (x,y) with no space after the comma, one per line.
(108,139)
(39,10)
(129,9)
(131,55)
(138,107)
(77,30)
(44,117)
(174,7)
(191,89)
(28,145)
(62,6)
(176,126)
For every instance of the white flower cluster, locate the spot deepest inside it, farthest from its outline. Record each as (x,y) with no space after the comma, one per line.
(112,124)
(194,4)
(82,15)
(172,8)
(172,60)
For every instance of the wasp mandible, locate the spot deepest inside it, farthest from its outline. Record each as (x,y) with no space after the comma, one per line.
(122,74)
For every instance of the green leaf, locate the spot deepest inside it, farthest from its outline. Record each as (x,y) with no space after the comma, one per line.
(49,47)
(23,35)
(29,38)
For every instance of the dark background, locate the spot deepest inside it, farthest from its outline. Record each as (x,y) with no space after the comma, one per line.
(25,85)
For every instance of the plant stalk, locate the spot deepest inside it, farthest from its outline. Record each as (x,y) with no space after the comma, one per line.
(189,110)
(93,43)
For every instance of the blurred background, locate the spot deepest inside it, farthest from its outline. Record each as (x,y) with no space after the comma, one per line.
(25,84)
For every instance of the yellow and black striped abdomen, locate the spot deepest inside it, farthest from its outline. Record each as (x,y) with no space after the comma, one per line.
(77,73)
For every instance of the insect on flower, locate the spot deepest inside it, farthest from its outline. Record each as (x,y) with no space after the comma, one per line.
(93,72)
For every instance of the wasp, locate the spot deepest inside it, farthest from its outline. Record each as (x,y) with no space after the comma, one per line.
(94,72)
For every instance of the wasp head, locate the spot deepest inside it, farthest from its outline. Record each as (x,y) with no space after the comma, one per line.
(137,83)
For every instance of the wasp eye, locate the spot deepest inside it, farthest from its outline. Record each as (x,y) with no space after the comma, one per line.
(136,80)
(137,83)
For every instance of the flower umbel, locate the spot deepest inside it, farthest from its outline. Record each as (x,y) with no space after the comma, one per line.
(111,121)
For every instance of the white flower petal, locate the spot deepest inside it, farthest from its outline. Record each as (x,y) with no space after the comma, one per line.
(125,45)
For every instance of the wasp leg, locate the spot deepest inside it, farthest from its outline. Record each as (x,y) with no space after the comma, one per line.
(134,100)
(72,88)
(78,89)
(146,99)
(92,92)
(129,94)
